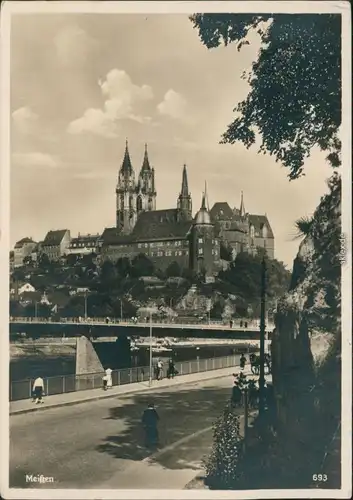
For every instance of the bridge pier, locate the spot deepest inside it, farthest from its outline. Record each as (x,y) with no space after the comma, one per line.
(87,360)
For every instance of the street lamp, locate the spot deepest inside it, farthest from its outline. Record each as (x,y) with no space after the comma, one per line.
(262,339)
(85,305)
(150,380)
(121,309)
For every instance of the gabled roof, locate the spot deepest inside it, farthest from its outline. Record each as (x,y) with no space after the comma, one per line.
(221,210)
(54,237)
(112,236)
(259,221)
(160,224)
(23,241)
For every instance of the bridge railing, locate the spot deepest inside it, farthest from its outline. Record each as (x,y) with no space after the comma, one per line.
(127,322)
(23,389)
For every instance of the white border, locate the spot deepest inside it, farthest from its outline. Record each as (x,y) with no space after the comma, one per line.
(172,7)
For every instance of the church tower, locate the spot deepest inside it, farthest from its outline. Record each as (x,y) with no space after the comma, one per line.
(184,200)
(243,225)
(126,213)
(146,190)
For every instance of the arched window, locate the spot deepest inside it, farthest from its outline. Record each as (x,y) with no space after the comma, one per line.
(122,202)
(252,232)
(139,203)
(264,231)
(150,204)
(131,202)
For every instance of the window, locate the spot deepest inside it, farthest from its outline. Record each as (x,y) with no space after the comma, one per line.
(252,232)
(186,252)
(146,245)
(200,251)
(139,245)
(200,241)
(264,231)
(216,253)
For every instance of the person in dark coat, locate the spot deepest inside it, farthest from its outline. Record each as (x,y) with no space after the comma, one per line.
(236,395)
(242,361)
(150,419)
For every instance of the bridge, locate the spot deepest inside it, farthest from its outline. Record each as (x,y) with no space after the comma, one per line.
(99,327)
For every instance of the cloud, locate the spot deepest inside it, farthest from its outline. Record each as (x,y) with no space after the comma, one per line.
(94,121)
(73,45)
(173,105)
(122,96)
(25,120)
(35,160)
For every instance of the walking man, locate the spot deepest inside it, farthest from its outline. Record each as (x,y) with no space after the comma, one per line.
(242,361)
(38,390)
(150,420)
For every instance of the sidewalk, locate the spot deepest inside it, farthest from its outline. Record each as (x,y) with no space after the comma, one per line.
(77,397)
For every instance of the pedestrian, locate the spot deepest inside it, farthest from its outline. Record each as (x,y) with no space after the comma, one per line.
(38,390)
(171,369)
(236,395)
(105,382)
(160,369)
(242,361)
(150,419)
(108,373)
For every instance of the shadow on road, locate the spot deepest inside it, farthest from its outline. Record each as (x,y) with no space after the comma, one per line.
(181,413)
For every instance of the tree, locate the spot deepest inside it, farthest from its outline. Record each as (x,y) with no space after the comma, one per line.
(173,270)
(221,465)
(141,266)
(123,266)
(295,85)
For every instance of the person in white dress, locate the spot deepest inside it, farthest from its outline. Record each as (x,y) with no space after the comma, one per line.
(38,390)
(108,373)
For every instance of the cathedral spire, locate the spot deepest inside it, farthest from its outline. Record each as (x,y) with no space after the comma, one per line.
(242,207)
(146,163)
(184,184)
(126,166)
(203,203)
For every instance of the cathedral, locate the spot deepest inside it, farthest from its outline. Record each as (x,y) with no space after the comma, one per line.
(173,234)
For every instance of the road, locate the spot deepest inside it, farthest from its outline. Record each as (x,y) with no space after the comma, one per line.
(99,444)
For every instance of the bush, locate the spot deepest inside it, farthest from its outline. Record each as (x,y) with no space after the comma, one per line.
(221,465)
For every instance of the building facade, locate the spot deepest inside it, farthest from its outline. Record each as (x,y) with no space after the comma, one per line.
(23,248)
(56,244)
(84,244)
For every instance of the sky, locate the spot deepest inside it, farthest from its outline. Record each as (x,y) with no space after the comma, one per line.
(83,84)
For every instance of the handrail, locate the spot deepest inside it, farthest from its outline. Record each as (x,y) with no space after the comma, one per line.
(22,389)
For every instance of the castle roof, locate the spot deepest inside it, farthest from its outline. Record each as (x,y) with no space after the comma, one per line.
(203,215)
(23,241)
(259,221)
(160,224)
(54,237)
(221,210)
(112,236)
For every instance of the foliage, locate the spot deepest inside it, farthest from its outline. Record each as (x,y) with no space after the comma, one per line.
(244,275)
(173,270)
(141,266)
(303,226)
(217,309)
(226,253)
(295,84)
(221,465)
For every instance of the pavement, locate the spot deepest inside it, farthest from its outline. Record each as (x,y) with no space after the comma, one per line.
(100,444)
(78,397)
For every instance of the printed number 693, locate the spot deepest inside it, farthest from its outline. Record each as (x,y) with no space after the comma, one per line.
(320,477)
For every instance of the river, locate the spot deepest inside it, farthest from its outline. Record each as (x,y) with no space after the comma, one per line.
(31,366)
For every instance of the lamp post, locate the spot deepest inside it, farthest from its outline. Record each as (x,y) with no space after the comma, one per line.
(262,339)
(121,309)
(35,309)
(150,380)
(85,305)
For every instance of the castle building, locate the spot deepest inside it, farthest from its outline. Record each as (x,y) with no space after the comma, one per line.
(241,231)
(164,236)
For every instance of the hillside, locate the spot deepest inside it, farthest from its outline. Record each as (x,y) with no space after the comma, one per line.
(306,351)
